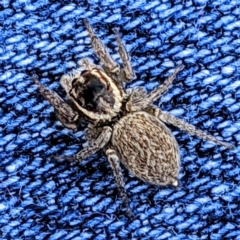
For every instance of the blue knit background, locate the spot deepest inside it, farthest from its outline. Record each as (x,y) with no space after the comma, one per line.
(43,199)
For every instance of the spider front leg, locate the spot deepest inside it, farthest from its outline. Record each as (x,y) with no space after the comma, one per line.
(113,159)
(177,122)
(100,143)
(68,117)
(101,50)
(128,73)
(138,103)
(86,64)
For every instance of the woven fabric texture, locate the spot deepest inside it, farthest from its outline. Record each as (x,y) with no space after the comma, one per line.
(44,199)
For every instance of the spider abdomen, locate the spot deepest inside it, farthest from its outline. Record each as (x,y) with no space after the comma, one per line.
(147,148)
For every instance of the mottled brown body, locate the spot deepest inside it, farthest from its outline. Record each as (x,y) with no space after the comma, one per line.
(147,148)
(125,124)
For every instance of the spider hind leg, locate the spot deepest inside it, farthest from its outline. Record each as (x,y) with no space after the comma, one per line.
(113,159)
(181,124)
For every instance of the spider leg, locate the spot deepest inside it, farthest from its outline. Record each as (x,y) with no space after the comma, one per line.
(86,64)
(142,103)
(101,50)
(116,168)
(100,143)
(68,117)
(128,70)
(177,122)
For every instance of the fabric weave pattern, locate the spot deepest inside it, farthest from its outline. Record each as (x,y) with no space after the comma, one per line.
(43,199)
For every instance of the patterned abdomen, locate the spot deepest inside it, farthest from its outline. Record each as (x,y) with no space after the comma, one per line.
(147,148)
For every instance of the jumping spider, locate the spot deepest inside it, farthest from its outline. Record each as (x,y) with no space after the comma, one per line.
(125,124)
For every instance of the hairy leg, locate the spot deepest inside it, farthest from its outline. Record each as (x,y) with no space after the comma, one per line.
(137,103)
(115,165)
(100,143)
(65,113)
(101,50)
(127,67)
(177,122)
(86,64)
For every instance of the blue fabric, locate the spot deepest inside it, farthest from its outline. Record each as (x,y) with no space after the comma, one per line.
(43,199)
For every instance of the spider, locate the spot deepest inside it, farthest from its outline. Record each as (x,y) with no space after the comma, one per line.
(123,123)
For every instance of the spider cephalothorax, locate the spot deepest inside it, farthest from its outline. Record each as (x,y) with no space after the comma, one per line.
(125,124)
(94,93)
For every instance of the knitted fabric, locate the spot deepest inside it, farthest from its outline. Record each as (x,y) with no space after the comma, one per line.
(44,199)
